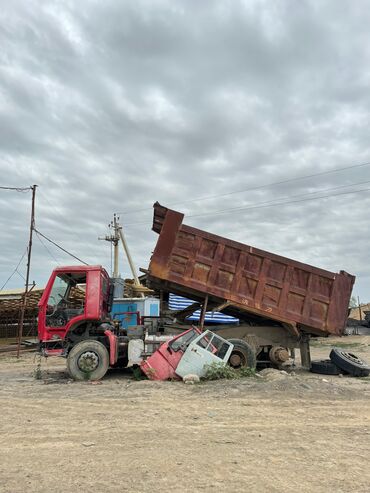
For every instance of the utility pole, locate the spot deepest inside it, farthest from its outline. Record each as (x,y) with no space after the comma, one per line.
(359,308)
(114,239)
(24,301)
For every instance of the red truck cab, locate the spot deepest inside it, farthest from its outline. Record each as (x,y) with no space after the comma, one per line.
(73,296)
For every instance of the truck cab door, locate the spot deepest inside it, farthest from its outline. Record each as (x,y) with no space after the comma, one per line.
(64,304)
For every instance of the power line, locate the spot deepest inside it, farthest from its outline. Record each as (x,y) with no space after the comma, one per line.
(258,187)
(20,275)
(276,201)
(46,248)
(262,205)
(14,271)
(17,189)
(60,247)
(283,203)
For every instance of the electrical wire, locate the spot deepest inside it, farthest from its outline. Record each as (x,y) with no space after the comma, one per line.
(14,271)
(262,205)
(17,189)
(20,275)
(276,201)
(46,248)
(258,187)
(60,247)
(282,203)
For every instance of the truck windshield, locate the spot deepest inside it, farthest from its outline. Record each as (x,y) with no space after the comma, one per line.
(184,340)
(58,291)
(66,299)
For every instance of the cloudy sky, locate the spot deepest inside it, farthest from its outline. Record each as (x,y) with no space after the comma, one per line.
(205,106)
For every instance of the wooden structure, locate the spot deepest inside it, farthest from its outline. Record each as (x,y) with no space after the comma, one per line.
(10,311)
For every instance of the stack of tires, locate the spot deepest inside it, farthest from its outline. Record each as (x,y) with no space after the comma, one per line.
(341,362)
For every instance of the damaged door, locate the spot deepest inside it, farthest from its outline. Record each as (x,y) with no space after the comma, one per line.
(206,349)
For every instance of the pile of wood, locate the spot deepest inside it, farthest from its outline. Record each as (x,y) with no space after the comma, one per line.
(132,290)
(13,305)
(10,309)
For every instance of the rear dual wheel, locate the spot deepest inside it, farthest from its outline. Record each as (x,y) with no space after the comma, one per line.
(242,355)
(88,360)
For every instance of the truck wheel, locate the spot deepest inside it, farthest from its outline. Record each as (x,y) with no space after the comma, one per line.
(350,363)
(242,355)
(324,367)
(88,360)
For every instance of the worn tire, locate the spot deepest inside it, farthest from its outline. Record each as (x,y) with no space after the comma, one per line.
(243,355)
(350,363)
(88,354)
(325,367)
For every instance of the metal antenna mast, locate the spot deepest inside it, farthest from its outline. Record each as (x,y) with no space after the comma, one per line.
(24,301)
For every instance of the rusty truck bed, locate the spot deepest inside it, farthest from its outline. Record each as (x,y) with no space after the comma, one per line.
(196,263)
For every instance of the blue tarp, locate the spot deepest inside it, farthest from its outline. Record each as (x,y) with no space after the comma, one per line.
(179,303)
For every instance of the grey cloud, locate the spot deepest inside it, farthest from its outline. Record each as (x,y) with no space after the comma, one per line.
(110,106)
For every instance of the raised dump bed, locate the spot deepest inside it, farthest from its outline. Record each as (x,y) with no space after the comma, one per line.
(242,278)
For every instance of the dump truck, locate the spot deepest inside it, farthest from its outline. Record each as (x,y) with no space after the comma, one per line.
(280,302)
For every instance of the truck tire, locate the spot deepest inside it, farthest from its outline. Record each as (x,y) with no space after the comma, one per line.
(350,363)
(242,355)
(325,367)
(88,360)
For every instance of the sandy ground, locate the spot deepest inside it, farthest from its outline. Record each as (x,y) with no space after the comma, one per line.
(298,433)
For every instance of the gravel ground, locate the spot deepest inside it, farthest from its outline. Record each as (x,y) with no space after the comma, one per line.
(296,432)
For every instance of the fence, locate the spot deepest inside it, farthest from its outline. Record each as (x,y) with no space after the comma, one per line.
(9,324)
